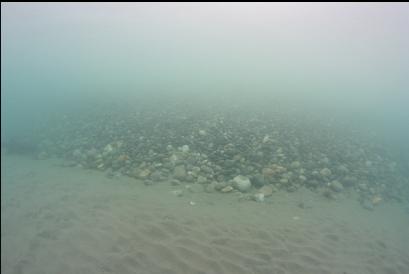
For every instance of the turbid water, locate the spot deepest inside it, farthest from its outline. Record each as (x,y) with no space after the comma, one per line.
(204,138)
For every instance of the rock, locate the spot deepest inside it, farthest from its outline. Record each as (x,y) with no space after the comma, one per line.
(175,182)
(144,174)
(92,153)
(258,180)
(363,187)
(148,182)
(258,197)
(77,154)
(312,183)
(292,188)
(178,193)
(227,189)
(266,190)
(342,169)
(268,173)
(325,172)
(284,181)
(295,165)
(367,204)
(179,173)
(210,188)
(156,176)
(349,181)
(266,139)
(315,174)
(185,149)
(376,200)
(108,149)
(220,185)
(196,169)
(242,183)
(194,188)
(189,178)
(278,169)
(201,179)
(336,186)
(327,193)
(302,178)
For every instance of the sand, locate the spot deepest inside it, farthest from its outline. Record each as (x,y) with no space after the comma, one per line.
(56,219)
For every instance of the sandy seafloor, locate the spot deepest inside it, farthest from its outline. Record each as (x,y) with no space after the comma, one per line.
(56,219)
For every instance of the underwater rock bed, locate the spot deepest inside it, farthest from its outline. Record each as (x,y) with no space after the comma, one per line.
(216,148)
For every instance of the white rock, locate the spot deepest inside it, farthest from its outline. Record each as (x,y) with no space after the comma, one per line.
(184,149)
(242,183)
(108,148)
(259,197)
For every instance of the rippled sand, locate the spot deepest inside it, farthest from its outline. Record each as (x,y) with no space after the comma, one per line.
(69,220)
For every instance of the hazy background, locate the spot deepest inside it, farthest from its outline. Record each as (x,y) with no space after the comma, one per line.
(351,59)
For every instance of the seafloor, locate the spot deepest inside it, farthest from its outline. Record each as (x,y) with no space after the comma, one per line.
(249,149)
(58,219)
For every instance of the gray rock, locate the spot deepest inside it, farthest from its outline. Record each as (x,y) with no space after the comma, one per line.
(210,188)
(227,189)
(258,197)
(220,185)
(242,183)
(367,204)
(194,188)
(325,172)
(267,190)
(185,149)
(175,182)
(178,193)
(156,176)
(179,173)
(336,186)
(258,180)
(201,179)
(312,183)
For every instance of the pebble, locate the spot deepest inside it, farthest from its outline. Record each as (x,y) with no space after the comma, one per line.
(336,186)
(227,189)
